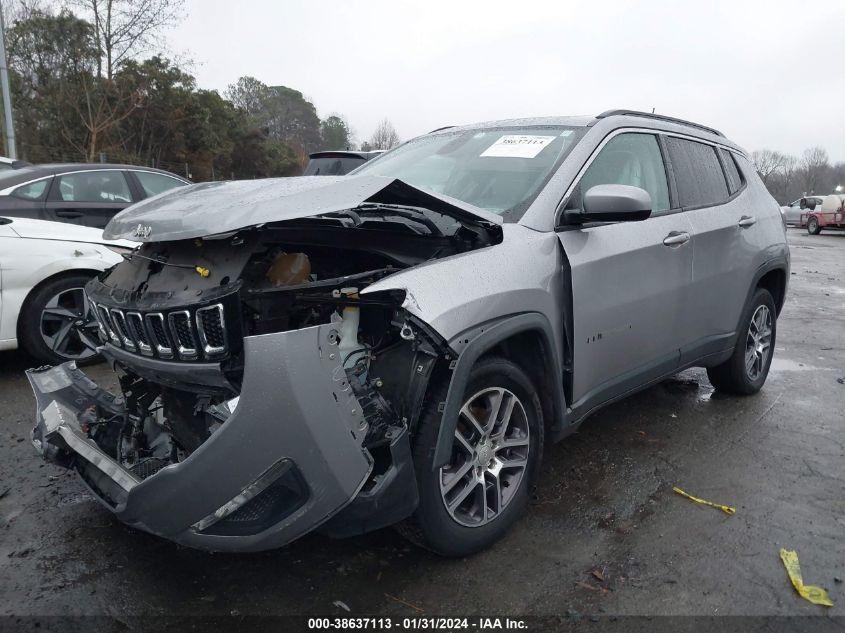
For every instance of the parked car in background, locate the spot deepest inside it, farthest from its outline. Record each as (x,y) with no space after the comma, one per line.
(398,345)
(11,163)
(337,163)
(792,212)
(89,195)
(828,213)
(44,267)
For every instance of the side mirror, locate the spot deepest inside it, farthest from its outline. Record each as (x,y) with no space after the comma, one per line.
(613,203)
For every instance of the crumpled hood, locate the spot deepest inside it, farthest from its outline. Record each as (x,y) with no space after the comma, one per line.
(219,207)
(46,230)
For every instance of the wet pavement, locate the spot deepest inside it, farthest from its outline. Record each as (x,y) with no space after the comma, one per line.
(605,533)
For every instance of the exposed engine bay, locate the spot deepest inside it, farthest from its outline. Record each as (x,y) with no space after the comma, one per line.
(174,315)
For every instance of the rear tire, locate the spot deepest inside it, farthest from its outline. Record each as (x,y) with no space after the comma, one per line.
(495,462)
(52,318)
(745,372)
(813,227)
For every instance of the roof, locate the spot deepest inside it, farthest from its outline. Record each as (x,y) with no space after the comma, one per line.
(547,121)
(632,117)
(657,117)
(59,168)
(34,172)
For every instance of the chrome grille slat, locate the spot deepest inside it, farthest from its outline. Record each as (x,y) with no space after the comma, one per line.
(106,317)
(182,331)
(211,326)
(95,310)
(135,322)
(158,332)
(187,334)
(119,322)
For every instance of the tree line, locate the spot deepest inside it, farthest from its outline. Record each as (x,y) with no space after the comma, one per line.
(789,177)
(84,89)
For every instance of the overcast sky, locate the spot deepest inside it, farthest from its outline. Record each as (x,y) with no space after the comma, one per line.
(768,74)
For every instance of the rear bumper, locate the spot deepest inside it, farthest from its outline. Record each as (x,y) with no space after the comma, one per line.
(297,430)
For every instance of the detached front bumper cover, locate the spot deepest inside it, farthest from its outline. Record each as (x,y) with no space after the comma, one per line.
(288,458)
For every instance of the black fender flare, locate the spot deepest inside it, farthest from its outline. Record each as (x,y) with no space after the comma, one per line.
(781,262)
(486,339)
(776,263)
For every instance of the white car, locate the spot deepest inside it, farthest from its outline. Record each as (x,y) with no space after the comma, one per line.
(44,267)
(792,212)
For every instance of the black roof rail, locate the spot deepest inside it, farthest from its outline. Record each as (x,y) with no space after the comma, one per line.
(659,117)
(440,129)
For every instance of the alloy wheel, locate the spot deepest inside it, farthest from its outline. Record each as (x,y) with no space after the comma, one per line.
(489,457)
(758,343)
(67,319)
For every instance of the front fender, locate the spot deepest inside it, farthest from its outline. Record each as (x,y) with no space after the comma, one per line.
(478,299)
(483,340)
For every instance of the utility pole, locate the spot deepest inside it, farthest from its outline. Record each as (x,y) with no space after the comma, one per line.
(11,150)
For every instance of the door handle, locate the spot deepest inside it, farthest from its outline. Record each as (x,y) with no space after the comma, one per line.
(70,215)
(676,238)
(746,221)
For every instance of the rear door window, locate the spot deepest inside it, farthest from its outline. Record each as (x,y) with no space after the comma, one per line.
(698,174)
(94,186)
(735,181)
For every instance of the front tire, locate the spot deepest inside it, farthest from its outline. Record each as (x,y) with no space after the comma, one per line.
(813,227)
(56,319)
(746,370)
(472,501)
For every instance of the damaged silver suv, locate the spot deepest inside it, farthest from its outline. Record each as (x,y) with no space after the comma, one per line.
(396,346)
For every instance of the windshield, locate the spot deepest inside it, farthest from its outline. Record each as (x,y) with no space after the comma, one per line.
(498,169)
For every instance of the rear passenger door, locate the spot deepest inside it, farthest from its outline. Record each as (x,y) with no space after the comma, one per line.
(90,198)
(711,191)
(630,280)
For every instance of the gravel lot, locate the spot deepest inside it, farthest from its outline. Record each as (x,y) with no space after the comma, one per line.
(605,505)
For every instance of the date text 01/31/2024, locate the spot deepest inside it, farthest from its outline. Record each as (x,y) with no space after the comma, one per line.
(416,624)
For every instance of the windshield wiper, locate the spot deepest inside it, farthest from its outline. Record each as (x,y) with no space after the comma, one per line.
(415,214)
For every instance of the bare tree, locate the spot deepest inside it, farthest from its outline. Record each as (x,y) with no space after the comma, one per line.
(100,106)
(815,166)
(385,136)
(18,10)
(124,28)
(768,163)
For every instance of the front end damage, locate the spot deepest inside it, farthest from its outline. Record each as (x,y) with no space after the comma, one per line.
(262,395)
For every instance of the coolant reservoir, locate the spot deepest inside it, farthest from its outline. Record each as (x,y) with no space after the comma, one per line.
(289,268)
(349,323)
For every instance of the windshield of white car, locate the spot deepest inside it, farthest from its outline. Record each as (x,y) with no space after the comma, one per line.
(498,169)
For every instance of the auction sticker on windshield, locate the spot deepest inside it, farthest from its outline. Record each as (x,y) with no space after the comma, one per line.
(518,146)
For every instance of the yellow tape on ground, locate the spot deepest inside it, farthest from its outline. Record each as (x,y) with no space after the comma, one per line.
(725,509)
(816,595)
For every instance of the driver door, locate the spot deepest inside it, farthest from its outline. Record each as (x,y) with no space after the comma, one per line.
(630,280)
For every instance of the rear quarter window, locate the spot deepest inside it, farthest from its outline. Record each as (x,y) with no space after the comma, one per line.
(698,173)
(735,180)
(32,191)
(154,184)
